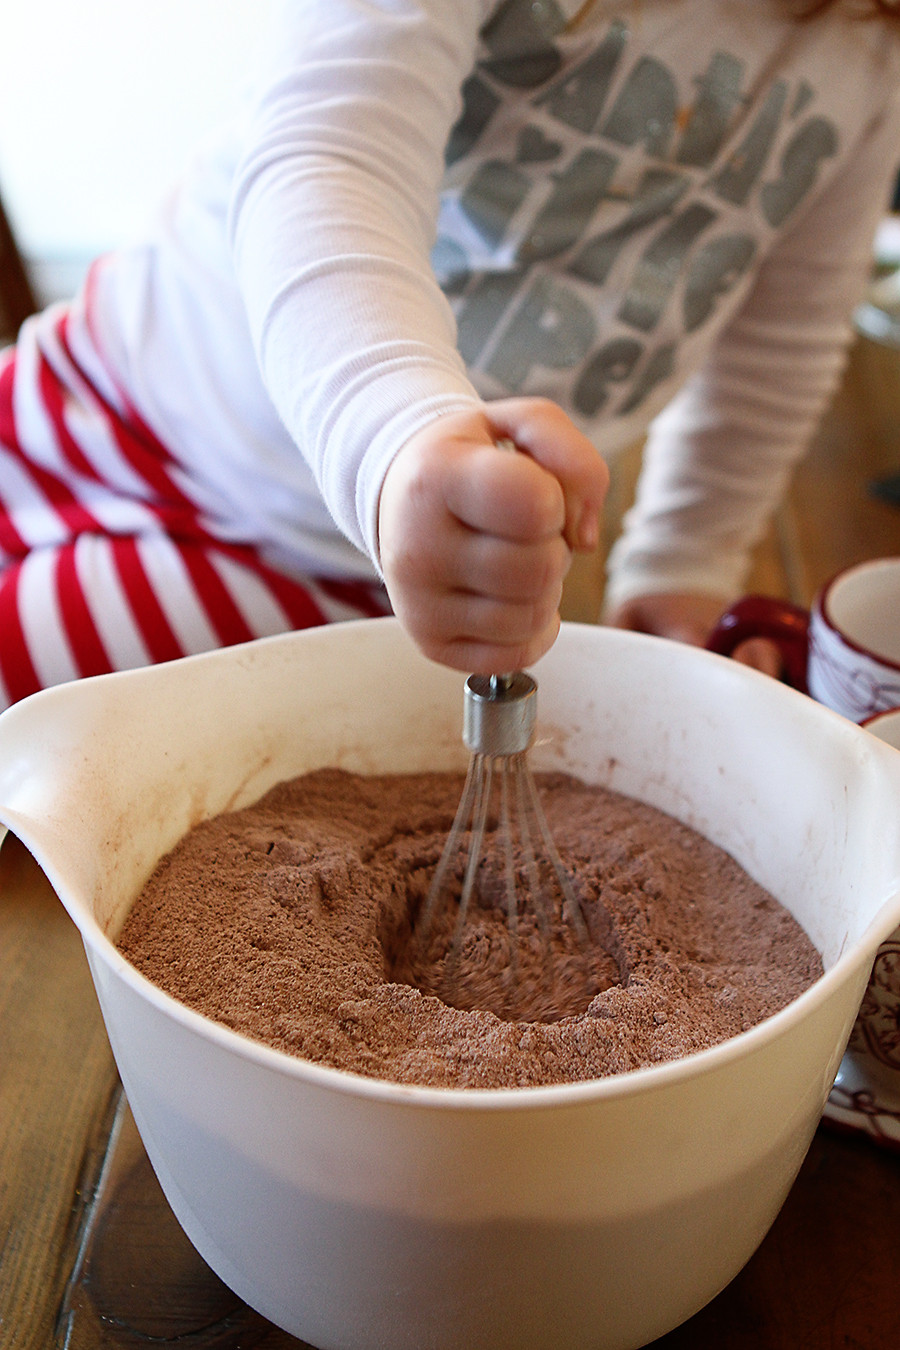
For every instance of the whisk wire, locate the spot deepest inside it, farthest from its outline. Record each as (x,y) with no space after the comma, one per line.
(450,850)
(483,778)
(570,903)
(512,905)
(524,804)
(500,822)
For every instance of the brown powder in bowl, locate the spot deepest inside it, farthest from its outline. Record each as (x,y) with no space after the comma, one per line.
(290,922)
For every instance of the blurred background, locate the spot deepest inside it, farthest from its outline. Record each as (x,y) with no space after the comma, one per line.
(100,103)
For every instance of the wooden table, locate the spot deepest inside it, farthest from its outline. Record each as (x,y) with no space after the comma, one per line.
(90,1254)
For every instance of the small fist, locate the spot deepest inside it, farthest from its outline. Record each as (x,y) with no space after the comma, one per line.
(475,540)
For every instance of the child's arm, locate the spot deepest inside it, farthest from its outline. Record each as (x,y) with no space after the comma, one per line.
(332,224)
(719,457)
(476,541)
(333,219)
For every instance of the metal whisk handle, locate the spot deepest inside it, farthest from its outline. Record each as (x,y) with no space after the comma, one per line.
(499,713)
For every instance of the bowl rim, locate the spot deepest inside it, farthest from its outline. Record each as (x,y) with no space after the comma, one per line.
(667,1073)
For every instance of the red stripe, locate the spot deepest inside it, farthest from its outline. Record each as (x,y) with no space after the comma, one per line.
(7,422)
(75,516)
(87,646)
(147,456)
(146,610)
(180,519)
(182,524)
(11,541)
(367,597)
(54,399)
(223,614)
(19,674)
(139,447)
(297,603)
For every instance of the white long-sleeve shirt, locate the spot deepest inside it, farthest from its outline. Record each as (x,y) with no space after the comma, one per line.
(659,213)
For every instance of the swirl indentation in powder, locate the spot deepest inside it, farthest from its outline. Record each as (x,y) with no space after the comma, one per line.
(290,922)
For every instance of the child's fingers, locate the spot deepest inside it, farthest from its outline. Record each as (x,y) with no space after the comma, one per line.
(505,495)
(481,640)
(499,623)
(475,539)
(519,573)
(543,431)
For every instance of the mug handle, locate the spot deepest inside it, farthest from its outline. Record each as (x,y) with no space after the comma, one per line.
(764,616)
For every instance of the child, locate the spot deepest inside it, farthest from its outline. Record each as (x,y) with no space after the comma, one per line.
(437,226)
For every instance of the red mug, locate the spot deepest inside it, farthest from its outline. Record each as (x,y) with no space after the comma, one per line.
(844,651)
(763,616)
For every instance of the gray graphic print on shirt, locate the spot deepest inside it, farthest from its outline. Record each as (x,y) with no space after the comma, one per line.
(601,209)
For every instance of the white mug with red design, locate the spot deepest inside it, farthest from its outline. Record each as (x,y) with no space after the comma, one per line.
(845,652)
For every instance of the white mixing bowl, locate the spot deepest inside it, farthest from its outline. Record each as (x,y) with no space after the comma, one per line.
(362,1214)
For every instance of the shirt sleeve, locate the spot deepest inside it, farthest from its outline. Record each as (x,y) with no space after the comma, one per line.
(332,223)
(718,459)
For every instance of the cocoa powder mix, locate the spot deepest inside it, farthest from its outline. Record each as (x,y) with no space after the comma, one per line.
(292,923)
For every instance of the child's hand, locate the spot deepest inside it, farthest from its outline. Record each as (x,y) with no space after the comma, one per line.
(476,540)
(690,617)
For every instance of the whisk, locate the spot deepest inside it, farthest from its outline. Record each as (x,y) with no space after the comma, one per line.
(499,718)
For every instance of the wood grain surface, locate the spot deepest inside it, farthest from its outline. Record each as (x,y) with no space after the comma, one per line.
(56,1082)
